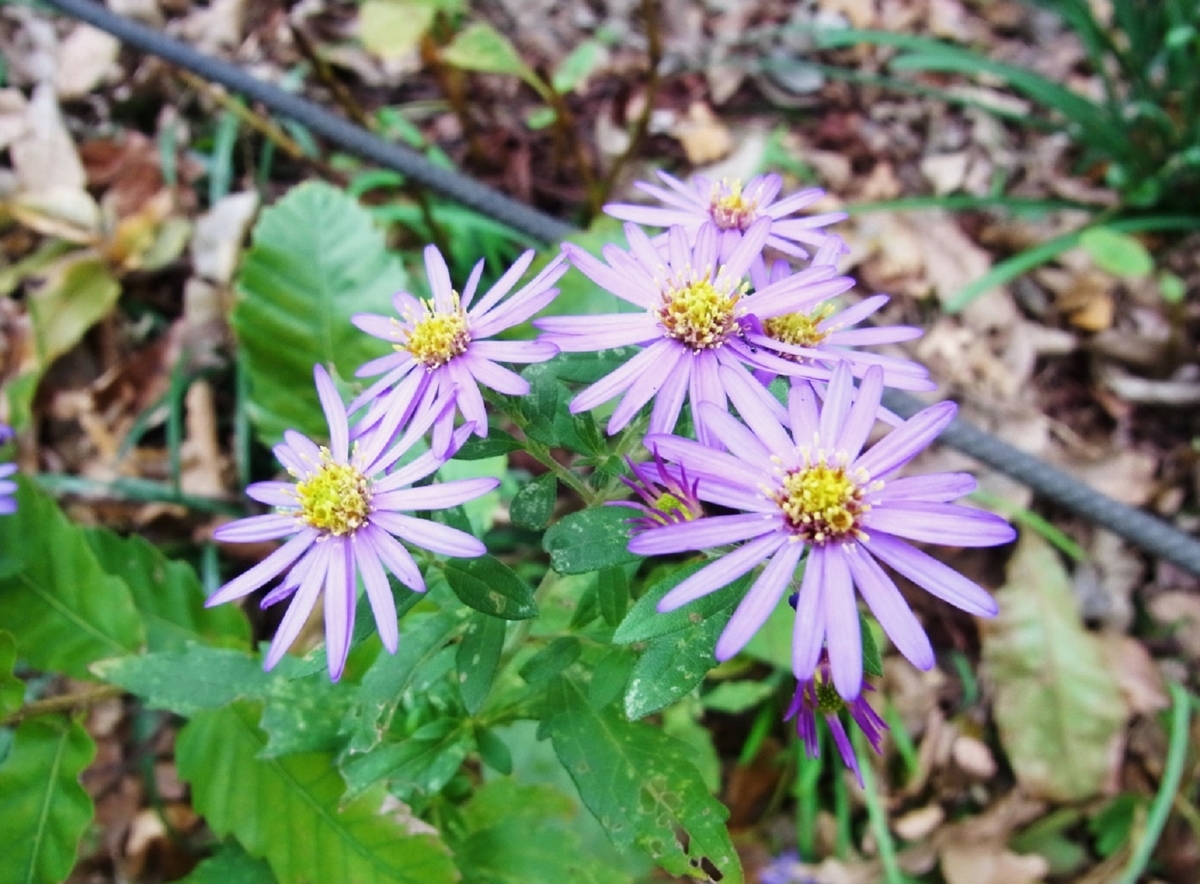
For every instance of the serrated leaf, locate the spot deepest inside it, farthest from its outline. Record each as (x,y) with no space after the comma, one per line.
(490,586)
(589,540)
(317,259)
(642,787)
(671,665)
(419,765)
(289,810)
(231,865)
(1117,253)
(187,681)
(533,504)
(12,689)
(43,808)
(167,594)
(305,714)
(476,659)
(67,611)
(1058,705)
(644,622)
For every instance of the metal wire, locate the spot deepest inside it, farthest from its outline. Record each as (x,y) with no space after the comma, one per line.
(1151,534)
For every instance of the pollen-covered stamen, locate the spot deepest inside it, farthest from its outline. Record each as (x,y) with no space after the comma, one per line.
(824,502)
(437,337)
(729,208)
(336,498)
(799,329)
(699,313)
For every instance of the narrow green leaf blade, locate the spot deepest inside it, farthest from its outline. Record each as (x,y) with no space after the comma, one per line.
(642,787)
(65,609)
(317,259)
(589,540)
(43,808)
(533,504)
(1117,253)
(288,810)
(1058,705)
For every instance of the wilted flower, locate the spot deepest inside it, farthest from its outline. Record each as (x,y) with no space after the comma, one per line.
(441,347)
(733,208)
(814,489)
(694,309)
(343,514)
(665,498)
(818,695)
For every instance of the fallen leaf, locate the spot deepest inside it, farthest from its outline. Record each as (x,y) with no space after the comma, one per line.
(946,172)
(44,156)
(220,232)
(84,57)
(703,136)
(1058,705)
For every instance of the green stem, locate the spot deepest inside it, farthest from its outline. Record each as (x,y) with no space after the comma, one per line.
(1160,810)
(877,815)
(62,703)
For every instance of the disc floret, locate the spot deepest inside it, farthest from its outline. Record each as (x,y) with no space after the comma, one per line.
(823,501)
(335,498)
(699,312)
(799,329)
(436,336)
(729,207)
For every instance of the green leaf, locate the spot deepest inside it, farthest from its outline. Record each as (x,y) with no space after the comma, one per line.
(70,611)
(495,443)
(1117,253)
(392,674)
(187,681)
(480,47)
(167,594)
(551,660)
(43,808)
(872,659)
(392,28)
(735,697)
(1058,705)
(289,810)
(490,586)
(75,293)
(493,750)
(231,865)
(579,64)
(476,658)
(305,714)
(672,665)
(644,622)
(317,259)
(612,595)
(419,765)
(533,504)
(642,787)
(498,849)
(12,689)
(589,540)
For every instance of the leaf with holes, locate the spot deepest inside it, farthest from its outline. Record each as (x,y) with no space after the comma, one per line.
(289,810)
(317,259)
(43,809)
(642,786)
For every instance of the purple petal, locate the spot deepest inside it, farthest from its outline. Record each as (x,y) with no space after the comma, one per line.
(837,405)
(335,413)
(514,351)
(760,601)
(734,435)
(394,556)
(844,747)
(339,606)
(645,386)
(890,608)
(301,605)
(468,292)
(703,462)
(619,380)
(858,423)
(907,441)
(497,377)
(843,629)
(932,486)
(721,572)
(255,529)
(281,494)
(386,327)
(430,535)
(505,283)
(439,496)
(615,282)
(808,630)
(704,533)
(705,386)
(944,523)
(669,401)
(759,409)
(379,593)
(439,280)
(803,414)
(931,575)
(264,571)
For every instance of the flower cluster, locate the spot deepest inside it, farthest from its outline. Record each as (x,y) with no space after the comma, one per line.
(776,476)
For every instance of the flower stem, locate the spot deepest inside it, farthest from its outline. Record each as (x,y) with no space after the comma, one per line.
(877,815)
(62,703)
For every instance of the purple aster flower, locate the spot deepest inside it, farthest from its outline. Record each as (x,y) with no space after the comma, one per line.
(694,308)
(8,504)
(785,869)
(733,208)
(818,695)
(814,489)
(342,515)
(667,499)
(823,334)
(441,345)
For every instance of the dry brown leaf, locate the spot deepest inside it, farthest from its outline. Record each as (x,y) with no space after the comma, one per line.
(217,243)
(974,862)
(920,823)
(973,757)
(85,56)
(1179,611)
(946,172)
(44,156)
(705,139)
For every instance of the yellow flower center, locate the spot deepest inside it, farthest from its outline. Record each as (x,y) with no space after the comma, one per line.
(436,338)
(729,209)
(821,502)
(336,498)
(698,313)
(828,700)
(799,329)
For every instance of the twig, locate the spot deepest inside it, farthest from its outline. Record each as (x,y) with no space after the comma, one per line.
(256,121)
(325,74)
(62,703)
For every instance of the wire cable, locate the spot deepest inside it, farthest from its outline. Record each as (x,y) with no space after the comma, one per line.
(1153,535)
